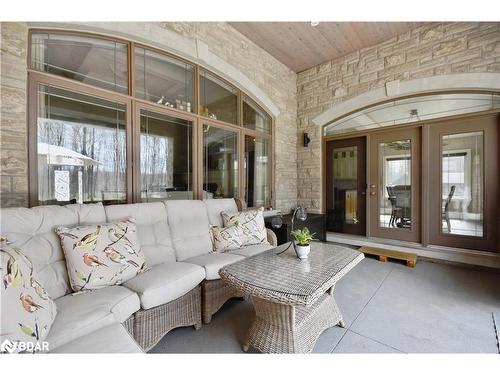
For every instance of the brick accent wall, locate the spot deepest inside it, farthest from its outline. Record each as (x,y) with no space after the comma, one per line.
(271,76)
(430,50)
(13,134)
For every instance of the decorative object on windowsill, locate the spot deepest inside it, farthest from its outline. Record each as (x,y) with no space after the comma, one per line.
(302,239)
(161,100)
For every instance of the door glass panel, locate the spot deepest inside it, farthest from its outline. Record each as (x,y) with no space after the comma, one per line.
(218,100)
(164,80)
(93,61)
(395,184)
(220,163)
(345,184)
(166,165)
(257,171)
(462,184)
(81,148)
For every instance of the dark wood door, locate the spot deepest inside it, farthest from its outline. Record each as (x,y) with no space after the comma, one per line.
(394,185)
(346,186)
(463,189)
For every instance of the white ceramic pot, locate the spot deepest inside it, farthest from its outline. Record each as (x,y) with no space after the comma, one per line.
(303,251)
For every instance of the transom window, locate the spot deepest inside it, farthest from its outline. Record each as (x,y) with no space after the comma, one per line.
(113,121)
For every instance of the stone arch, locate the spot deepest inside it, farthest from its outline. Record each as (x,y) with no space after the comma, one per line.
(191,49)
(398,89)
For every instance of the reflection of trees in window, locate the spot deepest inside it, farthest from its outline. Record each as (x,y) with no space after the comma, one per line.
(102,177)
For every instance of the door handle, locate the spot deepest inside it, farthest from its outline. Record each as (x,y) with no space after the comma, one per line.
(372,193)
(372,186)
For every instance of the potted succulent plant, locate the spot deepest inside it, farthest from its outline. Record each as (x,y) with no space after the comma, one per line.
(302,238)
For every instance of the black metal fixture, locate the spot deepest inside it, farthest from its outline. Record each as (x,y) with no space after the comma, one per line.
(306,139)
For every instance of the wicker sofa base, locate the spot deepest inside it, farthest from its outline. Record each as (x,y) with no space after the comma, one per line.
(214,294)
(152,324)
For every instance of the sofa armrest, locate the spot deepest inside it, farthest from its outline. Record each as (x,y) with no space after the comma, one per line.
(271,237)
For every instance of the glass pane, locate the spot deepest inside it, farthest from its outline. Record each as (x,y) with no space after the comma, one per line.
(254,117)
(81,148)
(94,61)
(220,163)
(257,171)
(166,166)
(409,110)
(462,184)
(164,80)
(345,185)
(395,184)
(218,100)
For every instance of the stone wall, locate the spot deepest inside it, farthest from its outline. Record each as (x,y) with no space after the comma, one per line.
(272,77)
(13,134)
(430,50)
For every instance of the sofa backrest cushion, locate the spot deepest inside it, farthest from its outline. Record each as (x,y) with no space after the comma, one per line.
(216,206)
(190,228)
(152,229)
(32,230)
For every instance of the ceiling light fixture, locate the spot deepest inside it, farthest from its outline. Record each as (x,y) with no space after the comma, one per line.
(314,23)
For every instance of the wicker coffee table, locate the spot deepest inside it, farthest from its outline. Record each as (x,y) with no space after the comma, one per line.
(293,298)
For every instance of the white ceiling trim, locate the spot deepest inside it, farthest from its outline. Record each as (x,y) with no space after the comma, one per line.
(154,35)
(397,89)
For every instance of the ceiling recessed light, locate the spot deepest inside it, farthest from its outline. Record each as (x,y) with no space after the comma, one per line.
(314,23)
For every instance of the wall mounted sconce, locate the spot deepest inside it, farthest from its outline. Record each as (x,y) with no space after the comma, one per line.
(306,139)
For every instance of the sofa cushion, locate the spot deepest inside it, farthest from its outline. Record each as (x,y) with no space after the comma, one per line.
(251,224)
(214,262)
(190,228)
(225,239)
(111,339)
(216,206)
(152,229)
(81,313)
(165,282)
(101,255)
(251,250)
(32,230)
(27,312)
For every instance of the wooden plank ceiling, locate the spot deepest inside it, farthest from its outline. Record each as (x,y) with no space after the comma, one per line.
(300,46)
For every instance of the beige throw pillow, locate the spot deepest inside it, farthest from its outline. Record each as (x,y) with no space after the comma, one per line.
(27,312)
(250,224)
(225,239)
(101,255)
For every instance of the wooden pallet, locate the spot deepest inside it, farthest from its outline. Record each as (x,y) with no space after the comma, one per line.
(384,254)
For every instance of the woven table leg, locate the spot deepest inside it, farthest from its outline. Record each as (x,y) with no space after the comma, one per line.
(281,328)
(214,294)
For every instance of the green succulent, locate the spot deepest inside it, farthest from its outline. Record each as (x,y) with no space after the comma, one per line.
(303,237)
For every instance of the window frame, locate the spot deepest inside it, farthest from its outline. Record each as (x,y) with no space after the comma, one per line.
(133,106)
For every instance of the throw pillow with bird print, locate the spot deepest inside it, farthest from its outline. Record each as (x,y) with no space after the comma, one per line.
(101,255)
(27,310)
(250,223)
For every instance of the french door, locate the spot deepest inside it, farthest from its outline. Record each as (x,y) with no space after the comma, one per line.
(463,183)
(394,184)
(346,186)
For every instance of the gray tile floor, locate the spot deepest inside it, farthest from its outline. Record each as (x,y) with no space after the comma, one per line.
(387,307)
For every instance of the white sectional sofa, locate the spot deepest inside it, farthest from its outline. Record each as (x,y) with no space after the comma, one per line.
(181,287)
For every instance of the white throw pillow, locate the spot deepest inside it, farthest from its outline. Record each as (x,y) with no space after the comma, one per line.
(250,223)
(225,239)
(27,312)
(101,255)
